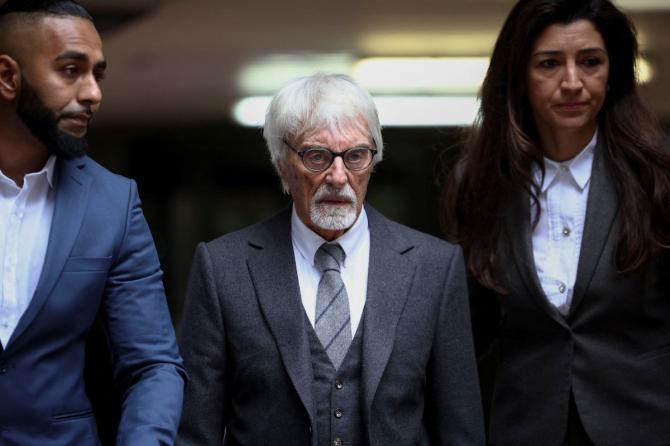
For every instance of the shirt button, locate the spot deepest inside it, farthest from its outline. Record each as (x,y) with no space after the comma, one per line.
(338,442)
(338,413)
(561,288)
(339,385)
(566,232)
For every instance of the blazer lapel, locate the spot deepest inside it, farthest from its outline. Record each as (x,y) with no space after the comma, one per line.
(273,272)
(601,212)
(521,240)
(390,276)
(71,189)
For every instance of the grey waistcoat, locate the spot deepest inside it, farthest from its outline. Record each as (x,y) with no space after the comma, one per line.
(338,393)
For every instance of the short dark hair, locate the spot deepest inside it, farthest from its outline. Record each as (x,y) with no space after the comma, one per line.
(49,7)
(504,145)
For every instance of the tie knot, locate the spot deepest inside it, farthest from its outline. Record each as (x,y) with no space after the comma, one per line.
(329,257)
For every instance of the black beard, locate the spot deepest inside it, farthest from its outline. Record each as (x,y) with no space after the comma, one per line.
(44,125)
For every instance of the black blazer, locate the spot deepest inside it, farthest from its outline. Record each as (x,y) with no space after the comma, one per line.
(245,342)
(612,350)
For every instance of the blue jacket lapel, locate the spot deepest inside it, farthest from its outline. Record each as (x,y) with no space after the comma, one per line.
(272,268)
(71,187)
(390,277)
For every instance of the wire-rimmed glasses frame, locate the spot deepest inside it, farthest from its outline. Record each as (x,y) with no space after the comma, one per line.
(319,159)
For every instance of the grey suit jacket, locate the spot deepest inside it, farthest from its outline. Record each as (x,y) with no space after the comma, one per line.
(245,342)
(612,350)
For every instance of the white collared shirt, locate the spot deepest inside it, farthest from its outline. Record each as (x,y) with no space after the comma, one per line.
(557,238)
(356,245)
(25,221)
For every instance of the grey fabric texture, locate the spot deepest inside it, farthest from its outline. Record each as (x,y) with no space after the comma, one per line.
(333,319)
(337,393)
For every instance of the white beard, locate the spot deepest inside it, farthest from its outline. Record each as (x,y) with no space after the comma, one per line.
(329,217)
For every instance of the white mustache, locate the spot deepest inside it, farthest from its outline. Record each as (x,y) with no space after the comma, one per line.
(327,191)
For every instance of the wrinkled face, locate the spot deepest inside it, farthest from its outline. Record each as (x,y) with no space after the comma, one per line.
(327,202)
(567,78)
(63,70)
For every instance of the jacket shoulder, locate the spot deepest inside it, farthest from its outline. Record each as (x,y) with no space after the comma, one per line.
(423,241)
(418,241)
(263,232)
(101,174)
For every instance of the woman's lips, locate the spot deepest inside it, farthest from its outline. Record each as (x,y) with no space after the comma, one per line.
(569,107)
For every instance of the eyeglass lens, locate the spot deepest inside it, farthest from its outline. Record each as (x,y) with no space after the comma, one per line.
(320,159)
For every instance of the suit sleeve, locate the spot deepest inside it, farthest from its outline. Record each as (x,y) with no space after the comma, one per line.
(203,343)
(147,365)
(454,412)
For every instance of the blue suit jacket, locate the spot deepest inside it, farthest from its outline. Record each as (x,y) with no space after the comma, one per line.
(100,258)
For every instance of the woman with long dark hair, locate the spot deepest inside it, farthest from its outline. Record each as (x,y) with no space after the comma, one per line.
(561,201)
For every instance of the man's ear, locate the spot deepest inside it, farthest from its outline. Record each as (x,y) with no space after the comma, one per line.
(10,78)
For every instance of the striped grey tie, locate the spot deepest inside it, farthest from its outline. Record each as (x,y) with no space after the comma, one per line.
(333,320)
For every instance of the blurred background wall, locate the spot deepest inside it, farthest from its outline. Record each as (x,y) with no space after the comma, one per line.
(188,81)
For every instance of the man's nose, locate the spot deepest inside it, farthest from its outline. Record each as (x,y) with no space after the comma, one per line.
(90,92)
(337,173)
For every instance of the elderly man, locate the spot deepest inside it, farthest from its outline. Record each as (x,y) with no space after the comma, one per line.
(73,244)
(328,324)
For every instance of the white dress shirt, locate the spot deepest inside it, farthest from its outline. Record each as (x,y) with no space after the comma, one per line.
(25,221)
(557,238)
(356,245)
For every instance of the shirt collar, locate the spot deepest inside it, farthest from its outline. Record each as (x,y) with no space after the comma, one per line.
(50,167)
(47,170)
(308,242)
(578,167)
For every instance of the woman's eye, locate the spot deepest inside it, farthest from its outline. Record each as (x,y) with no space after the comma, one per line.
(592,62)
(548,63)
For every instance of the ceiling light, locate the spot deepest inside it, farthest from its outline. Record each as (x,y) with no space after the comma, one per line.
(421,75)
(645,71)
(434,43)
(269,74)
(394,111)
(643,5)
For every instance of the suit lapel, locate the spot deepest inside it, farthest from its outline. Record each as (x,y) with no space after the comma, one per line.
(272,268)
(521,238)
(601,211)
(390,276)
(71,189)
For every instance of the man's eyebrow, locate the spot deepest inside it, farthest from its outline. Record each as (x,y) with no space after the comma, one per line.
(82,57)
(76,55)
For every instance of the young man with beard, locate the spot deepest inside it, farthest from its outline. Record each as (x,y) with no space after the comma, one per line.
(73,244)
(328,324)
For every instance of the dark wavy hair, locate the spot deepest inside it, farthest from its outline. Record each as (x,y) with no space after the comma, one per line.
(503,145)
(50,7)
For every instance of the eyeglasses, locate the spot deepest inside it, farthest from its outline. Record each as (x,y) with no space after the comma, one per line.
(318,159)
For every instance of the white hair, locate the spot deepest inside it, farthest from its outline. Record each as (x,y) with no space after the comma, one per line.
(309,103)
